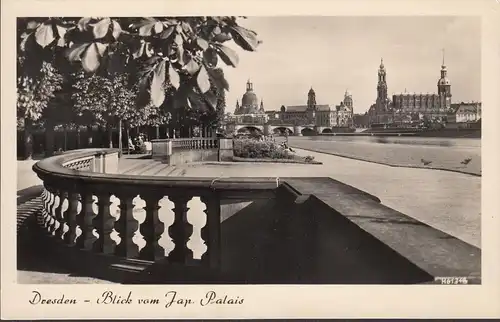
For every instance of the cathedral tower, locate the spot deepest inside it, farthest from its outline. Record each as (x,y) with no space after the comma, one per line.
(311,100)
(444,85)
(381,85)
(311,106)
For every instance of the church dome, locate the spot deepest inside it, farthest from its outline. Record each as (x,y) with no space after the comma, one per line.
(249,99)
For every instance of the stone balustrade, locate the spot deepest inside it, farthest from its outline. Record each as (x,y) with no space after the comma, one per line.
(137,217)
(178,151)
(267,230)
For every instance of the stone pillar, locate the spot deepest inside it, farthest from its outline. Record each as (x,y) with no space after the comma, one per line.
(161,149)
(267,129)
(99,162)
(296,130)
(226,152)
(110,163)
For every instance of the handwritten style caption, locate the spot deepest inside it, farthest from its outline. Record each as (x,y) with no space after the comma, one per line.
(170,299)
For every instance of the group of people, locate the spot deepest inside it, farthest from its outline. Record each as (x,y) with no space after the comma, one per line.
(140,144)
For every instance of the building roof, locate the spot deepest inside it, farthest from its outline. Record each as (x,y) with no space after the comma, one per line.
(416,94)
(465,107)
(303,108)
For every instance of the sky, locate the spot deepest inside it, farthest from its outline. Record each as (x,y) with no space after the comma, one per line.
(333,54)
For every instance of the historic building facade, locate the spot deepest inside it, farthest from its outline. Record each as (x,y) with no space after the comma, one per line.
(464,112)
(381,111)
(250,111)
(407,107)
(322,115)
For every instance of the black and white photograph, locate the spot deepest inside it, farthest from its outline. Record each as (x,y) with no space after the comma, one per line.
(247,150)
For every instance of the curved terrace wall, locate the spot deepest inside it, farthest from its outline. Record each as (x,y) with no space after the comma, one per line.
(240,230)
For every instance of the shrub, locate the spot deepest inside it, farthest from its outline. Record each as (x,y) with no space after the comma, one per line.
(248,148)
(309,158)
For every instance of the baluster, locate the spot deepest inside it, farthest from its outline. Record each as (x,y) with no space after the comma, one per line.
(71,218)
(210,233)
(152,229)
(126,226)
(46,198)
(180,231)
(104,223)
(50,202)
(59,215)
(204,144)
(52,209)
(86,221)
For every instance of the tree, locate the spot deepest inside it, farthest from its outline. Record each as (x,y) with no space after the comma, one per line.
(34,91)
(181,52)
(108,100)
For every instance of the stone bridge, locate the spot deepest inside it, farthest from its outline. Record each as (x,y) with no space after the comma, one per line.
(267,129)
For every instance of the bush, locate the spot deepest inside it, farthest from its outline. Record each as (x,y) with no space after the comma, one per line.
(309,158)
(248,148)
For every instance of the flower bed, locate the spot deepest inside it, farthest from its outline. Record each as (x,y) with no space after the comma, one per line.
(266,151)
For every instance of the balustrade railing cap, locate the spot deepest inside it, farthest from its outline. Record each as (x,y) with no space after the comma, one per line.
(52,169)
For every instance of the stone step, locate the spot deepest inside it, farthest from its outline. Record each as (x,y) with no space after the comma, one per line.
(141,167)
(126,165)
(157,169)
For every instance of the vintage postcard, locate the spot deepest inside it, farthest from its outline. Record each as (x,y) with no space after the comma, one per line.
(226,159)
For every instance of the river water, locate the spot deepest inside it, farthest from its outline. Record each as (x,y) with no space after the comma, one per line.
(455,142)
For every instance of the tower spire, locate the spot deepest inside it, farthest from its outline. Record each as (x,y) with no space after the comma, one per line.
(443,65)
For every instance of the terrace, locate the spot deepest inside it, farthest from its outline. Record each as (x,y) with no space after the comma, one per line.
(104,221)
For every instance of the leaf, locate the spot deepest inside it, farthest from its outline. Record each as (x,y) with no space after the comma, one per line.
(218,78)
(222,37)
(211,99)
(210,57)
(44,35)
(101,48)
(203,80)
(32,25)
(229,56)
(139,50)
(245,38)
(61,31)
(101,28)
(157,85)
(146,28)
(173,77)
(186,27)
(158,27)
(117,29)
(202,43)
(91,58)
(191,67)
(167,32)
(83,23)
(74,53)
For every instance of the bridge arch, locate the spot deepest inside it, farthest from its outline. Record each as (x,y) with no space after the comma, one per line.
(281,130)
(307,131)
(250,129)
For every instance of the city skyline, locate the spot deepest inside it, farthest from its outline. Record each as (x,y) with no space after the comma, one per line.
(412,54)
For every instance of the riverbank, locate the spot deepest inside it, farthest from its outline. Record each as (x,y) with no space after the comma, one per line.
(460,159)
